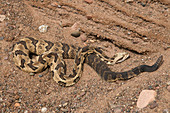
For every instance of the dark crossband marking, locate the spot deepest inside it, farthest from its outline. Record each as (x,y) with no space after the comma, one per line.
(34,42)
(66,49)
(23,43)
(32,66)
(19,52)
(22,63)
(41,60)
(49,46)
(53,54)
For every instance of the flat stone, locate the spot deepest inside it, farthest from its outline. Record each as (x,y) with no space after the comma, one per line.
(145,97)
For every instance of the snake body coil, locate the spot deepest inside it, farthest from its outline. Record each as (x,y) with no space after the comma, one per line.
(34,55)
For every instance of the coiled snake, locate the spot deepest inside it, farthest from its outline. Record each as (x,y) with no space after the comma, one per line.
(51,54)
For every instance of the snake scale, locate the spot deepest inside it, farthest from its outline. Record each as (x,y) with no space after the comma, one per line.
(34,55)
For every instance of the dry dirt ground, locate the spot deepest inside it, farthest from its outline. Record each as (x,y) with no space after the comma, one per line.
(139,27)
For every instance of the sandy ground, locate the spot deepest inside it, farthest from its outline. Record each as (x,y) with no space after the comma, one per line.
(139,27)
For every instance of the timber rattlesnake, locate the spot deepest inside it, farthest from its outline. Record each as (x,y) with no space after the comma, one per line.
(51,54)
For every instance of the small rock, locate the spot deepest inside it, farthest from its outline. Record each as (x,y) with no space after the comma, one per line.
(83,37)
(43,28)
(26,111)
(75,33)
(89,1)
(1,38)
(145,97)
(40,75)
(32,74)
(65,104)
(153,105)
(43,110)
(59,6)
(143,4)
(6,58)
(48,92)
(129,1)
(17,105)
(168,88)
(89,17)
(1,100)
(165,111)
(2,17)
(11,27)
(168,83)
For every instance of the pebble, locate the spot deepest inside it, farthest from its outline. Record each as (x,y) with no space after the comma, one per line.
(1,100)
(75,33)
(168,88)
(143,6)
(6,58)
(89,1)
(165,111)
(83,37)
(2,17)
(17,105)
(129,1)
(145,97)
(168,83)
(1,38)
(40,75)
(43,28)
(43,110)
(89,17)
(153,105)
(32,74)
(65,104)
(26,111)
(48,92)
(11,27)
